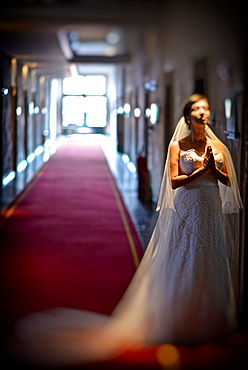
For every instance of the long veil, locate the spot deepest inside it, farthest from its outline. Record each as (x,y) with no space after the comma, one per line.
(67,337)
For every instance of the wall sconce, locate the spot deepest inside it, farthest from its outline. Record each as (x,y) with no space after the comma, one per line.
(230,106)
(120,110)
(36,110)
(151,85)
(4,91)
(127,108)
(154,117)
(31,108)
(137,112)
(19,111)
(148,112)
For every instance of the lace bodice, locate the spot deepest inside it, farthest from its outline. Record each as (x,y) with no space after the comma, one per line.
(191,159)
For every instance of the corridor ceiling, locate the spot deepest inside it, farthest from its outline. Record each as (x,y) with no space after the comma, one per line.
(49,35)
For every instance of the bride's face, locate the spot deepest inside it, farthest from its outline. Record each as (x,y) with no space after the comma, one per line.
(199,112)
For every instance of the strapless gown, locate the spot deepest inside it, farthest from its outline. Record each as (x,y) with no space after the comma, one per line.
(198,298)
(181,293)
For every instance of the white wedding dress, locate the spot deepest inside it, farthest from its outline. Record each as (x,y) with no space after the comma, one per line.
(198,301)
(181,293)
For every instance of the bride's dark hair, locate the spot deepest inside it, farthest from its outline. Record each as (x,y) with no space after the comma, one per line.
(190,101)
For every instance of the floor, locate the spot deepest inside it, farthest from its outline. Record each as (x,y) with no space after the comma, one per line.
(143,214)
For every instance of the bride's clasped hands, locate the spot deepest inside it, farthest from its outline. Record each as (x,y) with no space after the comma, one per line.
(209,164)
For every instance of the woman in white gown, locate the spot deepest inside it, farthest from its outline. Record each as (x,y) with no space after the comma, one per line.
(182,291)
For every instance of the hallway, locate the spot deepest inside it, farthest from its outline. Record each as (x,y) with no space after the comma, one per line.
(91,92)
(71,227)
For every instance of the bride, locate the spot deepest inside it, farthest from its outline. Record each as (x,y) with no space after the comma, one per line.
(182,291)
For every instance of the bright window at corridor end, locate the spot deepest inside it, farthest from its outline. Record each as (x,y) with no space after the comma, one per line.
(84,101)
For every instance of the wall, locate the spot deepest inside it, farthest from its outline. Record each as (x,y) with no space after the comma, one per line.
(24,117)
(205,42)
(5,119)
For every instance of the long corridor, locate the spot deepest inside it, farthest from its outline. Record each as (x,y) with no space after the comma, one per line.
(68,240)
(91,93)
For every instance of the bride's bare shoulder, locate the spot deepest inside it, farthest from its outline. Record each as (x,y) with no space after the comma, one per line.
(174,149)
(174,146)
(178,145)
(184,143)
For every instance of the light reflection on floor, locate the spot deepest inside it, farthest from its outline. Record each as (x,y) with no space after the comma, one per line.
(143,215)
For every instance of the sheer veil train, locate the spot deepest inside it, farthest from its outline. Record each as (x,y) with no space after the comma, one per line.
(156,301)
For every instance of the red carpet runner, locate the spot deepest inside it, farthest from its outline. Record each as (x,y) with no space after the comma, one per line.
(68,241)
